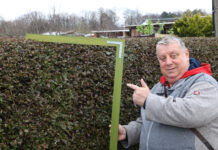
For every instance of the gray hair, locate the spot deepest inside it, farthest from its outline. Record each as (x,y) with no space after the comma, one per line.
(171,39)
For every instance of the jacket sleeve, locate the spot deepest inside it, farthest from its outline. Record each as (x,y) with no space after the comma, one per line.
(196,109)
(133,130)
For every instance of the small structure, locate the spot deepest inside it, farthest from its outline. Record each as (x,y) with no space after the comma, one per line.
(131,30)
(112,33)
(167,25)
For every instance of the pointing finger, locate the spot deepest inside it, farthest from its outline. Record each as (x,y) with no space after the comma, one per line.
(132,86)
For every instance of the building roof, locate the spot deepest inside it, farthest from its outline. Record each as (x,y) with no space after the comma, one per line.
(164,19)
(161,21)
(128,26)
(106,31)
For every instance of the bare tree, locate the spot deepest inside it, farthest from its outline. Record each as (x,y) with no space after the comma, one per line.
(54,22)
(108,19)
(12,28)
(73,22)
(132,17)
(93,21)
(151,16)
(5,27)
(35,21)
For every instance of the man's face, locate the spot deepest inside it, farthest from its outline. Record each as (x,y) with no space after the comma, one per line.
(174,62)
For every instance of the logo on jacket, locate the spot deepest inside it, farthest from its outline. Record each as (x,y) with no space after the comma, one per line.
(196,93)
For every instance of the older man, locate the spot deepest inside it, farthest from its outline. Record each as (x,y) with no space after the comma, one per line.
(181,111)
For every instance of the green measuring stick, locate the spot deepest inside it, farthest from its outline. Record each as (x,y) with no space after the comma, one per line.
(117,94)
(120,44)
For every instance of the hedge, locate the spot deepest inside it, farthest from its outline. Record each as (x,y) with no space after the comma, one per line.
(59,96)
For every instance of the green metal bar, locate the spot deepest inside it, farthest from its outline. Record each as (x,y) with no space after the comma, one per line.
(117,95)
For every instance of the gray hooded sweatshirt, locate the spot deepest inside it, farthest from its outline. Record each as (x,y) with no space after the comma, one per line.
(165,122)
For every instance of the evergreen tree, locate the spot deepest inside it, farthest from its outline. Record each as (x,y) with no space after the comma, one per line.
(193,25)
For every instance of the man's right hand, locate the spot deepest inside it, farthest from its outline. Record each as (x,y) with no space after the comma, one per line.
(121,133)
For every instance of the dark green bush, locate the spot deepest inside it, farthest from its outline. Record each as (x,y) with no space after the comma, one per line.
(59,96)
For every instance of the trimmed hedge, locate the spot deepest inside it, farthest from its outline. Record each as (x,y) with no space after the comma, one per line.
(59,96)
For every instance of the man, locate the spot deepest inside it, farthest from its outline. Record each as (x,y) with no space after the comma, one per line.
(184,102)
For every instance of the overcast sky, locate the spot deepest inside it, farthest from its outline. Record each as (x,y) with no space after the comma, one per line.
(12,9)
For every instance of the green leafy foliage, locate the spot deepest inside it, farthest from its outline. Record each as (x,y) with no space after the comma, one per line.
(170,31)
(59,96)
(161,27)
(193,25)
(146,29)
(55,95)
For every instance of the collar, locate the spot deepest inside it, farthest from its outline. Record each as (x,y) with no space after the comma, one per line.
(205,68)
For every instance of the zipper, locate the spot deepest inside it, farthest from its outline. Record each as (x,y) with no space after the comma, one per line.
(165,91)
(149,132)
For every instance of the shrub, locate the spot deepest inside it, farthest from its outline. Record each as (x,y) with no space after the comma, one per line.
(58,96)
(193,25)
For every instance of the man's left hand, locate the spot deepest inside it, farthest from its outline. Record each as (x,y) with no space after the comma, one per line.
(140,93)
